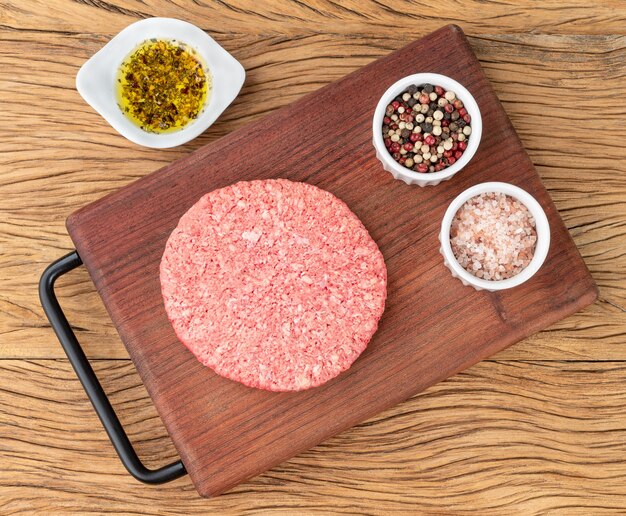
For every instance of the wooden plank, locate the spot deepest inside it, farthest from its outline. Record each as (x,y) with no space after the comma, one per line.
(432,328)
(403,17)
(586,180)
(500,438)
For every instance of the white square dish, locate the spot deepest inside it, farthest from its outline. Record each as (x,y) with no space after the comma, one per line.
(96,79)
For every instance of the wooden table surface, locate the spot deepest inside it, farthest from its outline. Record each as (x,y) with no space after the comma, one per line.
(540,428)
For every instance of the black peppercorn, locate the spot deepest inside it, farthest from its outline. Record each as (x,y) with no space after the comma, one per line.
(412,89)
(446,116)
(405,133)
(426,127)
(412,102)
(428,88)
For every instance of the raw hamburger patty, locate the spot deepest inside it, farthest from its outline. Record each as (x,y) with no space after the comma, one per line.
(274,284)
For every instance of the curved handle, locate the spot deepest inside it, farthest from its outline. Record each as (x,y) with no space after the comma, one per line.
(90,382)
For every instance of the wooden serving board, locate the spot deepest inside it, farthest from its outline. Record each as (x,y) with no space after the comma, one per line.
(433,326)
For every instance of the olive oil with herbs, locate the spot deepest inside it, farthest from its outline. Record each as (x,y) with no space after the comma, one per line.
(162,85)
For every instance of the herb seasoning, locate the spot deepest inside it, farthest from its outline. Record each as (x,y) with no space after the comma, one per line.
(162,85)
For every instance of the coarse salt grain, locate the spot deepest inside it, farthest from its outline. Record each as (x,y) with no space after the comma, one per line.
(493,236)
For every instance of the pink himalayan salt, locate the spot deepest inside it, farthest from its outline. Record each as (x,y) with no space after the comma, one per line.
(493,236)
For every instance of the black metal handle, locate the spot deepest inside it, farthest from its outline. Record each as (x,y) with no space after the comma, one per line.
(90,382)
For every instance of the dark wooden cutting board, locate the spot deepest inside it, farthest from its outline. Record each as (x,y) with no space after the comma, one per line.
(433,326)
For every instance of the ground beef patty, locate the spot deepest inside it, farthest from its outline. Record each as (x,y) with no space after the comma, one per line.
(274,284)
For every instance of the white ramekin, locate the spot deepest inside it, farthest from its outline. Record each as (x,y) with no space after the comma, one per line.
(411,177)
(541,249)
(96,79)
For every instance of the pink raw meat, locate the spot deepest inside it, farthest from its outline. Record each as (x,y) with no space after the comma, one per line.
(274,284)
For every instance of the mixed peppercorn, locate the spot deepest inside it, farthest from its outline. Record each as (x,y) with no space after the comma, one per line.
(426,128)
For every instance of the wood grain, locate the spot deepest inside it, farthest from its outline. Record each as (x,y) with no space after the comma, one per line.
(547,61)
(432,327)
(348,17)
(500,438)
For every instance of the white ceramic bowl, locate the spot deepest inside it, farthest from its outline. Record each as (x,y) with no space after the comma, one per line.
(411,177)
(96,79)
(541,249)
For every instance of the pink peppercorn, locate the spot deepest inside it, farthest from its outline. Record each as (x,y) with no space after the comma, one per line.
(439,91)
(447,153)
(429,140)
(462,111)
(467,118)
(452,160)
(458,154)
(395,104)
(387,142)
(449,108)
(386,120)
(424,99)
(415,137)
(422,167)
(462,145)
(396,156)
(457,104)
(408,146)
(395,147)
(445,123)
